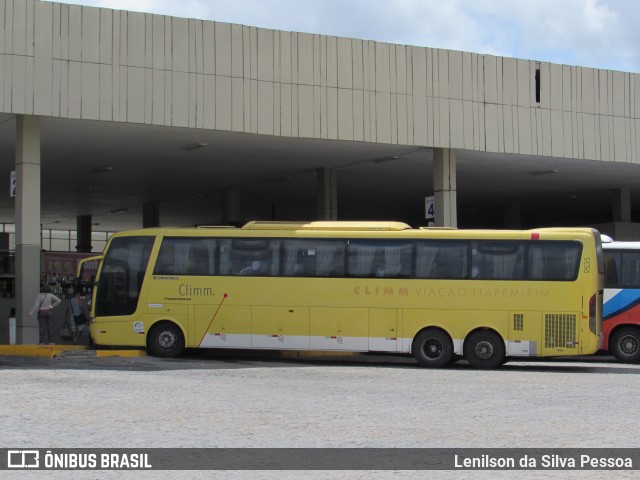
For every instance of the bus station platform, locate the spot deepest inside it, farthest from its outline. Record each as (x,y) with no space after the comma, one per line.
(53,351)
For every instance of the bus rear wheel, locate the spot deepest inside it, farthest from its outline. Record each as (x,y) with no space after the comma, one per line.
(433,348)
(484,349)
(625,345)
(165,340)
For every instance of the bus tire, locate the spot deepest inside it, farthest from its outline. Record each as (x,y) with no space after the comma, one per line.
(625,345)
(432,348)
(484,349)
(165,340)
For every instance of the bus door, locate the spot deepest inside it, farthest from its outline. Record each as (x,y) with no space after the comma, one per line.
(86,276)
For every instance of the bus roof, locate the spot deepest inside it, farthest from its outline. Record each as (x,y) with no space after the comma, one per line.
(327,225)
(358,228)
(609,243)
(613,245)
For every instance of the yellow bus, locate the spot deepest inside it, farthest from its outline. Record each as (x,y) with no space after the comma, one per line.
(437,294)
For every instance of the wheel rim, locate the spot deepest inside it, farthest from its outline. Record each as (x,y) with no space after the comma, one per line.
(432,349)
(628,345)
(167,340)
(484,350)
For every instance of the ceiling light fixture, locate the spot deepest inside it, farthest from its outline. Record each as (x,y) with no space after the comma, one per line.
(195,146)
(106,168)
(543,172)
(118,211)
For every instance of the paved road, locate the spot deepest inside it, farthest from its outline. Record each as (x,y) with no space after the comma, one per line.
(258,400)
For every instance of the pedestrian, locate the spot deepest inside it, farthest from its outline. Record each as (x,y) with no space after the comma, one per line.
(77,315)
(44,304)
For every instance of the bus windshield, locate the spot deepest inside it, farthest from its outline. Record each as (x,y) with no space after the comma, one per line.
(122,275)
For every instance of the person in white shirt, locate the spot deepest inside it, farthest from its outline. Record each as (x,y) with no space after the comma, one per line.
(44,304)
(253,269)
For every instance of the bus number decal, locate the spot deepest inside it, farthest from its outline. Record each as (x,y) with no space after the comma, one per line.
(587,264)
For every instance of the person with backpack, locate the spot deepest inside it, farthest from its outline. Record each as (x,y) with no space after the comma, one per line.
(77,315)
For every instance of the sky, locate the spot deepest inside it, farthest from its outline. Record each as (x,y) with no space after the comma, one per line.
(588,33)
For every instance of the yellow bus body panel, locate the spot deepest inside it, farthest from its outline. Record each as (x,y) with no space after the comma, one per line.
(534,318)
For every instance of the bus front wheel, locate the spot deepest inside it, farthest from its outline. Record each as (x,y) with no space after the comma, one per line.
(625,345)
(484,349)
(165,340)
(433,348)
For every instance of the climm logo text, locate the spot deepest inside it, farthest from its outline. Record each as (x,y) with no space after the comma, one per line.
(186,289)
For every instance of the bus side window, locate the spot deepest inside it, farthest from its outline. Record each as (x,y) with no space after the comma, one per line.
(198,263)
(166,262)
(380,258)
(362,256)
(611,278)
(630,263)
(425,259)
(314,258)
(397,260)
(250,256)
(451,261)
(554,260)
(186,256)
(299,258)
(441,259)
(497,260)
(330,258)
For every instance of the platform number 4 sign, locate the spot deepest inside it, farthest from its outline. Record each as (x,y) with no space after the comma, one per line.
(430,212)
(12,184)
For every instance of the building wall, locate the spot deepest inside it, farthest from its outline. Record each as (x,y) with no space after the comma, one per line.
(69,61)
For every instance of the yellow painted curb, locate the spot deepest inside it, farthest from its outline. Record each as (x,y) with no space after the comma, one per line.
(49,351)
(52,351)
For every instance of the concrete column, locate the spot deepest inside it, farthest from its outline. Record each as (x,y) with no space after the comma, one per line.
(622,205)
(327,191)
(231,211)
(150,215)
(83,230)
(444,187)
(28,231)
